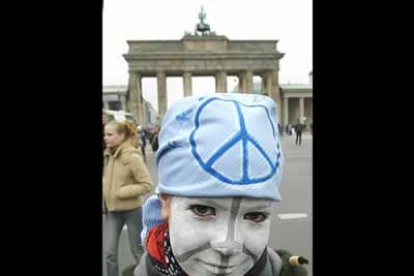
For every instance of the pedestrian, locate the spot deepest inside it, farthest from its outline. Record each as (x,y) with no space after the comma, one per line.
(219,171)
(142,141)
(298,130)
(154,140)
(126,179)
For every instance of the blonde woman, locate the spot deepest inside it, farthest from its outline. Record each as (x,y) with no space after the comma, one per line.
(126,179)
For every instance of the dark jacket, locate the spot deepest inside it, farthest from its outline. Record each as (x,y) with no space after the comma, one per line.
(154,142)
(299,128)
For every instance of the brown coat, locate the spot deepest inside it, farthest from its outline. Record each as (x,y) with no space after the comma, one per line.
(126,179)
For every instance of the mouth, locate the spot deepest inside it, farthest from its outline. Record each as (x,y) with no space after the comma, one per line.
(218,268)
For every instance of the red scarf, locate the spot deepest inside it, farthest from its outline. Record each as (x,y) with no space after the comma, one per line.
(155,242)
(159,249)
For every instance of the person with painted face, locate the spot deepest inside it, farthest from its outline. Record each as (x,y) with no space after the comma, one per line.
(126,179)
(219,170)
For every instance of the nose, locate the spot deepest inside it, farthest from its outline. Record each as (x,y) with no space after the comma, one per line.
(227,248)
(228,241)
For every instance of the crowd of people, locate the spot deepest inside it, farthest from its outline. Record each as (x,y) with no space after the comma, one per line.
(296,130)
(149,134)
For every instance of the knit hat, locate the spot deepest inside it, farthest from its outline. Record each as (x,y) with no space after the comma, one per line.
(151,215)
(220,145)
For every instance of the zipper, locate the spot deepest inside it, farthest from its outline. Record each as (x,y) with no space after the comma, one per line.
(113,184)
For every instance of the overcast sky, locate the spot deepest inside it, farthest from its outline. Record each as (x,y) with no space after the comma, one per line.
(289,21)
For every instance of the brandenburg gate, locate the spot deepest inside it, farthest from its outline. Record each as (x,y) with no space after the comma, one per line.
(207,54)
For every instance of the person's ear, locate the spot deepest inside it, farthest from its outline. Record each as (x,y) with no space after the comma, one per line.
(165,203)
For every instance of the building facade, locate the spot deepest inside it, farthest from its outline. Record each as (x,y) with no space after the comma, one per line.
(205,55)
(117,97)
(297,101)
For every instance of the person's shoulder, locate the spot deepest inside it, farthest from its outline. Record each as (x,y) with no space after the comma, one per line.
(135,155)
(132,155)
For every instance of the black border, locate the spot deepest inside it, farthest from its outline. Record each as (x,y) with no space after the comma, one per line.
(57,56)
(352,103)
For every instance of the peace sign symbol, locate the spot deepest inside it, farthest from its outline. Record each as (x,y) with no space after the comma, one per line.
(258,163)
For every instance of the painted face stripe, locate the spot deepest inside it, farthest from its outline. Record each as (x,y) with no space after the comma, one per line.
(248,252)
(235,207)
(224,262)
(185,256)
(230,242)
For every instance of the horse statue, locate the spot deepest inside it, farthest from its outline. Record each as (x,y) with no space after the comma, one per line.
(202,27)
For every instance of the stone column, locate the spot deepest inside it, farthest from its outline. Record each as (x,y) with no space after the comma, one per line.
(301,108)
(122,97)
(249,82)
(276,92)
(221,82)
(162,93)
(188,88)
(242,82)
(272,90)
(285,111)
(135,88)
(106,105)
(267,83)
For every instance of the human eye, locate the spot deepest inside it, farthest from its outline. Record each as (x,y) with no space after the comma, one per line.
(202,210)
(256,217)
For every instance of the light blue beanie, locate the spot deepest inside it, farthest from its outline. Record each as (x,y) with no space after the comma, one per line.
(220,145)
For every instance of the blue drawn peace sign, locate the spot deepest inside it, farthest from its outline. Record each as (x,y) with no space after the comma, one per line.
(242,136)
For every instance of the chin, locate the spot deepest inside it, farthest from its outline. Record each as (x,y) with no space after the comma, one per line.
(202,268)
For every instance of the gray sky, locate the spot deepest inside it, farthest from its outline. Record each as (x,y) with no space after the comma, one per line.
(289,21)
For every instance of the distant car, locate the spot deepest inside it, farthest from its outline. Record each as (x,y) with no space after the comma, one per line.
(119,115)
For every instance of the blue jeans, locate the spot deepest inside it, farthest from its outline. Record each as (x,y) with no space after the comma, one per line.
(114,224)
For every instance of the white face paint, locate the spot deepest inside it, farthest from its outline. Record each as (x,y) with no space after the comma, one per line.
(219,236)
